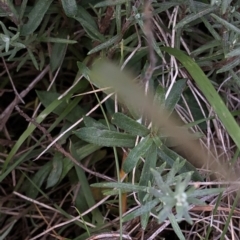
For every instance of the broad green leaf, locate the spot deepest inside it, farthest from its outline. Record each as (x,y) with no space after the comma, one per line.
(129,125)
(57,167)
(90,122)
(105,138)
(105,74)
(35,16)
(70,7)
(150,162)
(37,180)
(67,165)
(137,152)
(174,95)
(209,92)
(86,150)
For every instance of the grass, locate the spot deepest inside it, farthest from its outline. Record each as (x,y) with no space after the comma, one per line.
(119,119)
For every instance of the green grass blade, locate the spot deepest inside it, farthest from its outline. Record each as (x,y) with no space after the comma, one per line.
(4,235)
(87,190)
(35,17)
(34,186)
(110,3)
(209,92)
(29,130)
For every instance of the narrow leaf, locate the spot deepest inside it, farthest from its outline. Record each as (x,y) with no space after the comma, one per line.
(226,24)
(8,230)
(204,192)
(55,174)
(192,17)
(86,189)
(174,95)
(170,157)
(129,125)
(209,92)
(127,187)
(38,180)
(58,53)
(136,153)
(90,122)
(70,7)
(106,44)
(142,210)
(57,40)
(159,97)
(176,227)
(110,3)
(34,60)
(150,162)
(35,16)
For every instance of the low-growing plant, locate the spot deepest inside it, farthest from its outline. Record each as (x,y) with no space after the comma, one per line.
(151,135)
